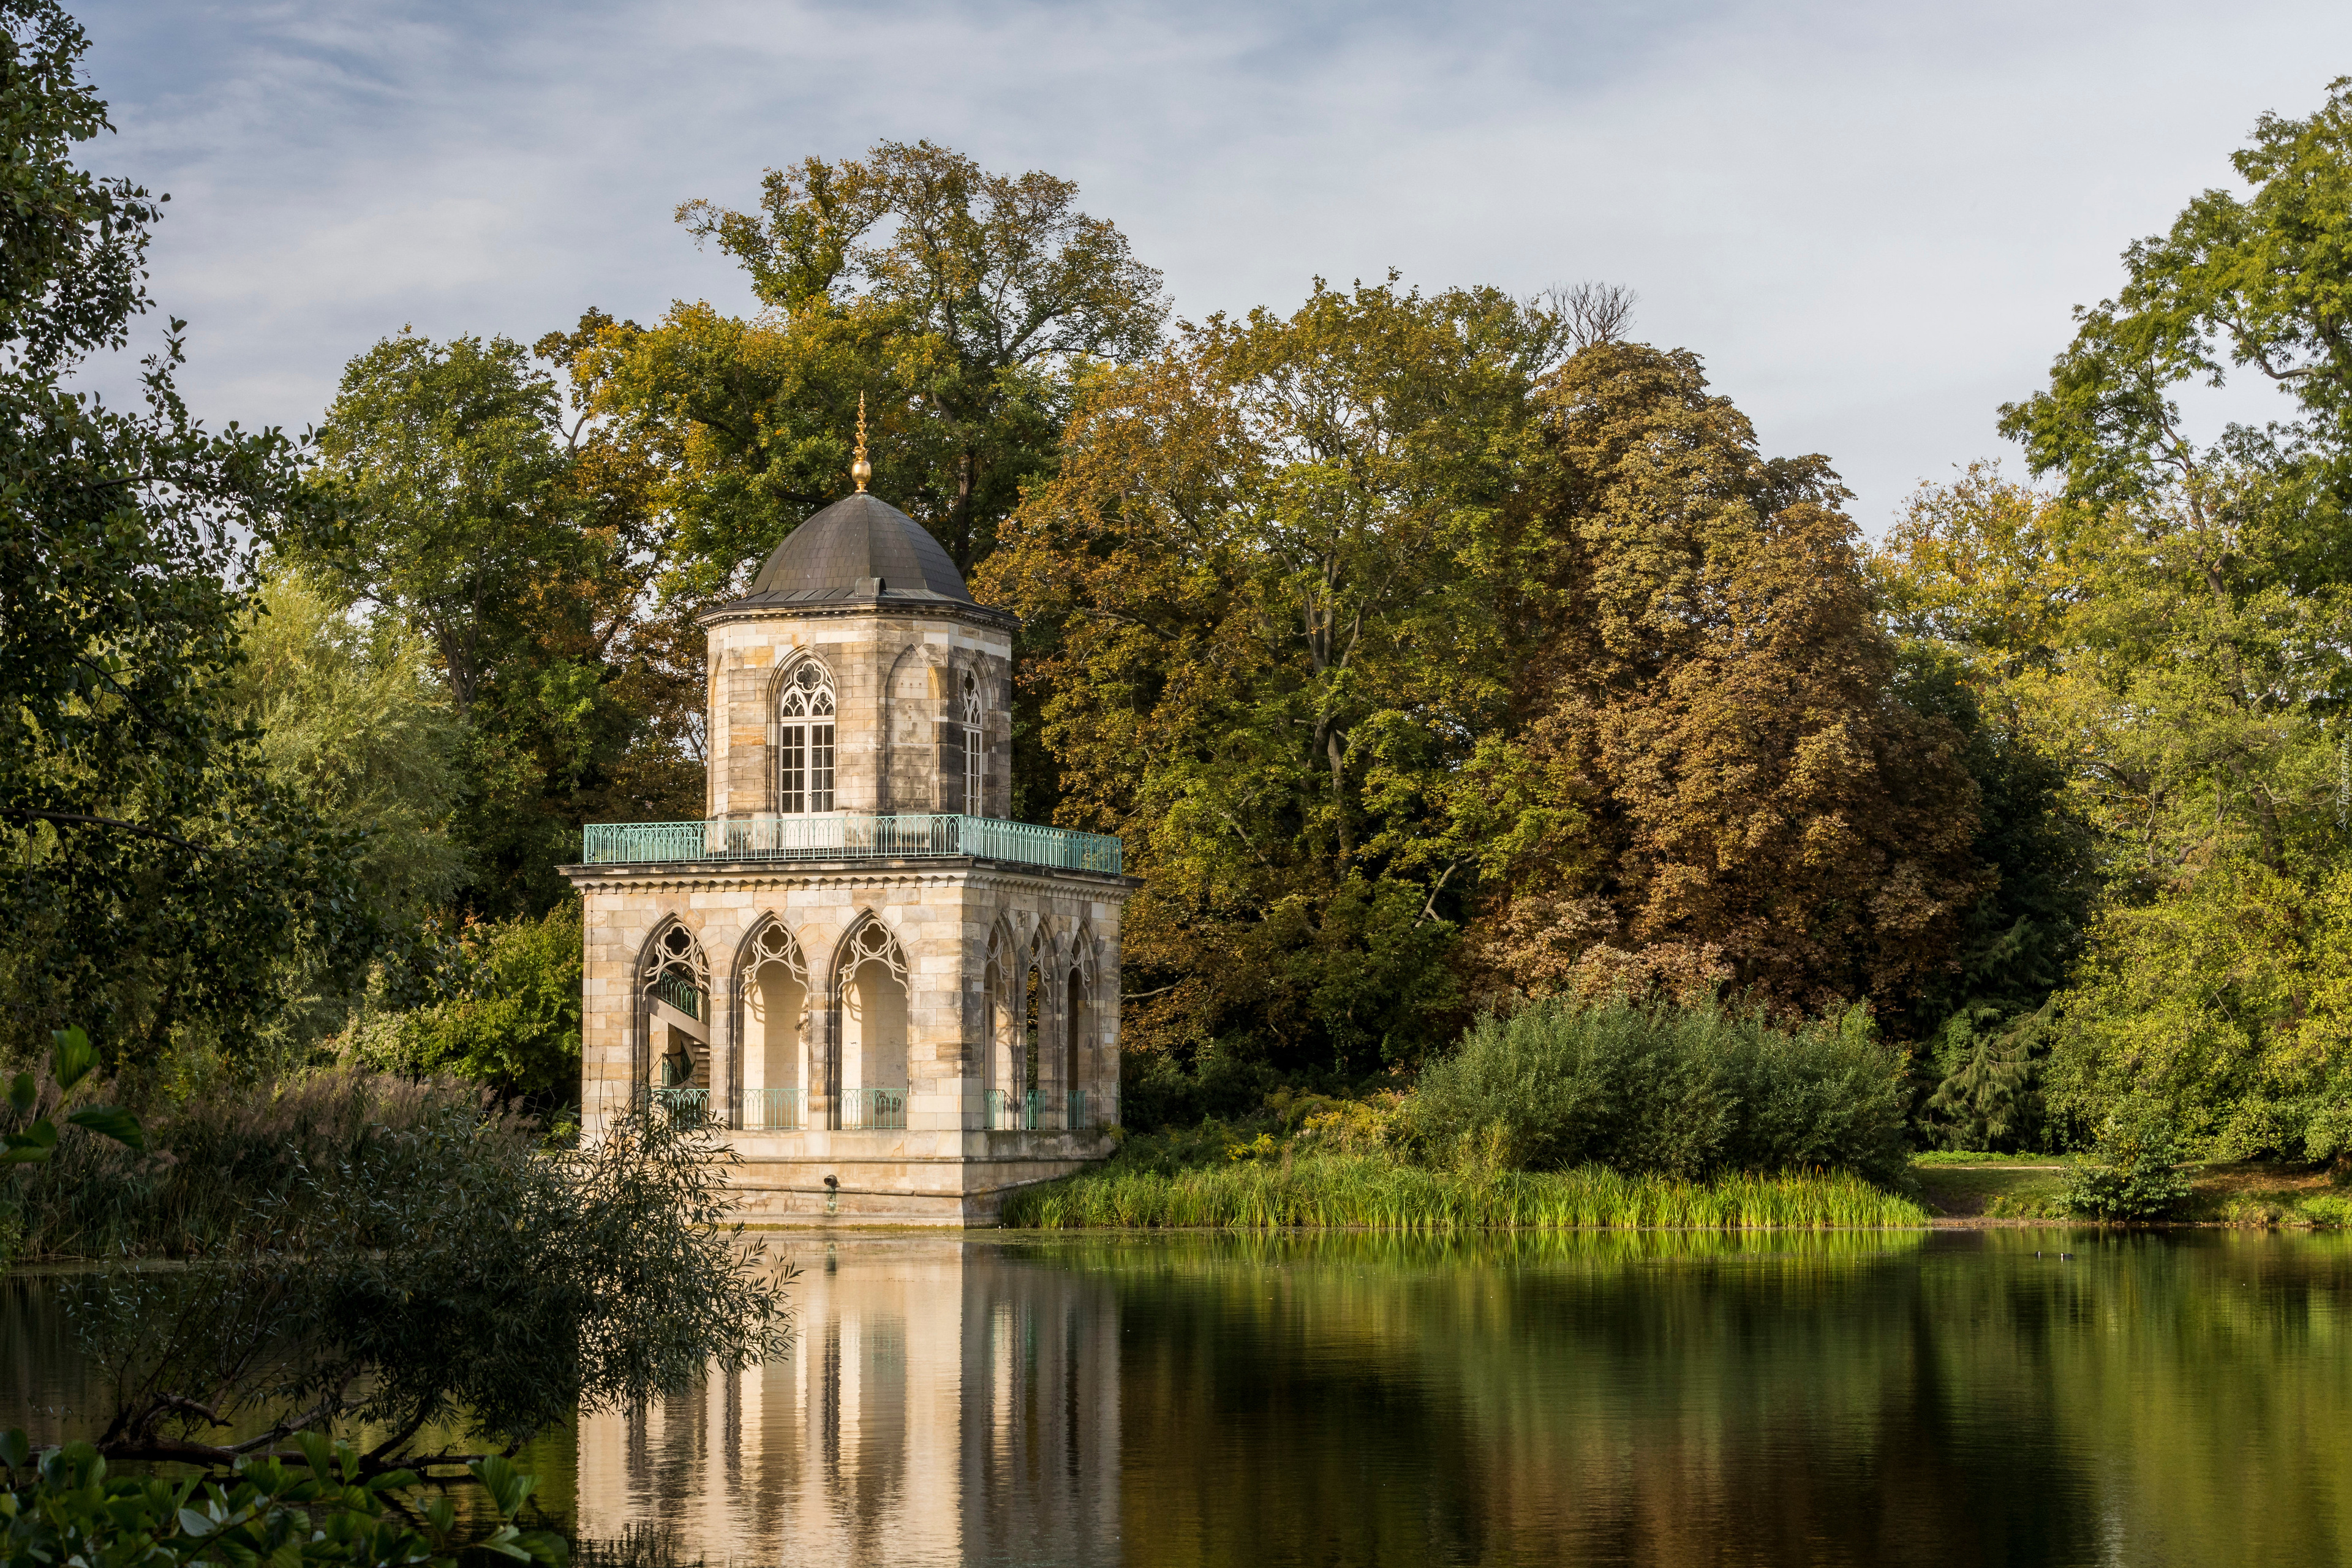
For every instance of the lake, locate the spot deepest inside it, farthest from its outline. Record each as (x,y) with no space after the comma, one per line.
(1859,1397)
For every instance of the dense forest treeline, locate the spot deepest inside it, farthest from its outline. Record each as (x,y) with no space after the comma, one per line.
(1433,650)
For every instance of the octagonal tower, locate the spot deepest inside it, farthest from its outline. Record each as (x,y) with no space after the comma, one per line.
(898,1003)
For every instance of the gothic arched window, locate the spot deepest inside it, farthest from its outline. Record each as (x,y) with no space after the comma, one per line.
(804,741)
(975,754)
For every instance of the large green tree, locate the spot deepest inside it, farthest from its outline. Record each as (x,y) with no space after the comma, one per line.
(965,299)
(151,873)
(1261,586)
(478,512)
(2168,627)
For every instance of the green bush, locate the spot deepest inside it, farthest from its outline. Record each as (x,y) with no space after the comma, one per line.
(448,1273)
(503,1008)
(2134,1171)
(1682,1091)
(64,1507)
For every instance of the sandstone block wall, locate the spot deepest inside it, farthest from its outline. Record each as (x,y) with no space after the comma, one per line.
(896,676)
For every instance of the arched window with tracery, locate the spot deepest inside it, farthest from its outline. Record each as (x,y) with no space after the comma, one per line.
(975,753)
(674,993)
(804,718)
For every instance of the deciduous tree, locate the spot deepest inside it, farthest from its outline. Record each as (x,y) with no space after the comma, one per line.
(149,871)
(1716,781)
(1261,581)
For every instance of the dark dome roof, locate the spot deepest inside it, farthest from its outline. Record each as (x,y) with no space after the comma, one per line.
(858,546)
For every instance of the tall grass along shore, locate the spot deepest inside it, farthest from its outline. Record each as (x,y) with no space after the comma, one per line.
(1373,1192)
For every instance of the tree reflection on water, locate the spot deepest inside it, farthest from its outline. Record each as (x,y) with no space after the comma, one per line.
(1843,1399)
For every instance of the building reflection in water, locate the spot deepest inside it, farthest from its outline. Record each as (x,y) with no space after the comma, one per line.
(944,1402)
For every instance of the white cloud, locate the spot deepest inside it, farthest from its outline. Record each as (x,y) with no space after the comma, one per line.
(1871,219)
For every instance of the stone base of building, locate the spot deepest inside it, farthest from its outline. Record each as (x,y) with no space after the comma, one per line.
(947,1178)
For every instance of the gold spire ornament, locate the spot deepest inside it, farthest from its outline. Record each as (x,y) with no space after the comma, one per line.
(861,470)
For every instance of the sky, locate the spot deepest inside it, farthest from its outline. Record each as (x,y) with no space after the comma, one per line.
(1871,220)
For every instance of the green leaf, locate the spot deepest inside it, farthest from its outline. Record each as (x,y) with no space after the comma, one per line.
(315,1451)
(33,1145)
(15,1448)
(391,1480)
(507,1486)
(22,1092)
(507,1543)
(548,1547)
(112,1121)
(72,1055)
(194,1524)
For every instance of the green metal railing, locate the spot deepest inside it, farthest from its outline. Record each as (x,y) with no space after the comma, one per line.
(775,1109)
(680,994)
(685,1106)
(848,837)
(873,1110)
(1031,1111)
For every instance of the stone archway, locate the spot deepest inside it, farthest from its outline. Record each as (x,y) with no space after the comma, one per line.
(870,1011)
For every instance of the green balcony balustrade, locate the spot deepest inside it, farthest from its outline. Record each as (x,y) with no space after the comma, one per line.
(684,1106)
(775,1111)
(873,1110)
(850,837)
(1074,1113)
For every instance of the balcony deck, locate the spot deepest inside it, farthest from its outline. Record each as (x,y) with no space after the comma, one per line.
(850,837)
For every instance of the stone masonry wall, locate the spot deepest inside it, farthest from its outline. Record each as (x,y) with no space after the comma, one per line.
(942,916)
(896,673)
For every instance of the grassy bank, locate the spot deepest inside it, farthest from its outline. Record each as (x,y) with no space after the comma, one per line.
(1373,1192)
(2032,1186)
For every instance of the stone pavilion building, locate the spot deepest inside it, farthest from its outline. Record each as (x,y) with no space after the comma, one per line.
(899,1004)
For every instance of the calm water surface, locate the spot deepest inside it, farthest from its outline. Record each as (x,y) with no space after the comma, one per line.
(1659,1398)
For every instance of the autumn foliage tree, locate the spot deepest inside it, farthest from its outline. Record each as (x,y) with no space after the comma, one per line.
(1716,783)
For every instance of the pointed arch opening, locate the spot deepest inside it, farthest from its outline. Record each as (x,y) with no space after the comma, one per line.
(674,1009)
(870,1005)
(1078,1043)
(773,980)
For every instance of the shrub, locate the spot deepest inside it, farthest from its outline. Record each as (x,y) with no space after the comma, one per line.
(1684,1091)
(65,1507)
(504,1008)
(2134,1172)
(447,1272)
(224,1153)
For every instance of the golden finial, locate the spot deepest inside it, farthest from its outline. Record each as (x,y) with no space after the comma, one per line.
(861,470)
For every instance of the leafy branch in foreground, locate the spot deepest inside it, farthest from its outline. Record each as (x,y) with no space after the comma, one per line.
(71,1059)
(447,1282)
(63,1506)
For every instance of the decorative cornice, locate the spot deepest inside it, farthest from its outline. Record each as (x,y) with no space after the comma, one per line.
(877,607)
(689,876)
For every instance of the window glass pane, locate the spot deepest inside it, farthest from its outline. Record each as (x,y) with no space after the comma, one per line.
(792,764)
(819,767)
(973,772)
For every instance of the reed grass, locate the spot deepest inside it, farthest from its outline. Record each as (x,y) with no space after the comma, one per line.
(1372,1192)
(217,1159)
